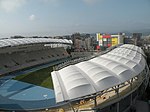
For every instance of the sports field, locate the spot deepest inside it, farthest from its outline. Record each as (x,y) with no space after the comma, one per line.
(40,77)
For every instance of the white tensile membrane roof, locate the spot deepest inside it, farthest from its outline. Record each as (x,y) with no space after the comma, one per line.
(97,74)
(24,41)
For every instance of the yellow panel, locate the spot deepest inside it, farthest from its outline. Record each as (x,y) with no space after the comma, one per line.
(114,41)
(99,36)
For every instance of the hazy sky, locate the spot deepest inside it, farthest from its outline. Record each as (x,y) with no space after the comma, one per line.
(58,17)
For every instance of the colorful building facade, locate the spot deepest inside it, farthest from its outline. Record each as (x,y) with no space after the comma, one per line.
(106,40)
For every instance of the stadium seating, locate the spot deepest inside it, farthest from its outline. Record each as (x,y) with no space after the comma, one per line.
(13,61)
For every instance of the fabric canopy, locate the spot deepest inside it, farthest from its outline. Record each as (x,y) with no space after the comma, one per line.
(103,72)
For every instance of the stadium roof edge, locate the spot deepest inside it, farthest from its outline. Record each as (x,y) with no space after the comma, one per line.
(26,41)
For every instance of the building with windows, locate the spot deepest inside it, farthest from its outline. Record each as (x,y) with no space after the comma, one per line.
(107,40)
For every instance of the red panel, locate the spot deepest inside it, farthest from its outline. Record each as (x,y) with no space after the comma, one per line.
(97,47)
(106,36)
(109,45)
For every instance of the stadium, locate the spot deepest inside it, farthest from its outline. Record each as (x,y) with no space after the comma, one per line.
(22,56)
(109,81)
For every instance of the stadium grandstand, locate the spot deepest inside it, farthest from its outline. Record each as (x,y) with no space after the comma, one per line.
(110,82)
(17,54)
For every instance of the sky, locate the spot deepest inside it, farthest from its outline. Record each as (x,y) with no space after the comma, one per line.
(62,17)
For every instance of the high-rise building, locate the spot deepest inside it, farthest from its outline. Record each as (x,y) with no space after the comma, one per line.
(137,38)
(82,42)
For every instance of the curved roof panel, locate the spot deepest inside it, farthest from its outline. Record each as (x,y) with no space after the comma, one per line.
(133,47)
(103,72)
(98,75)
(136,67)
(74,81)
(24,41)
